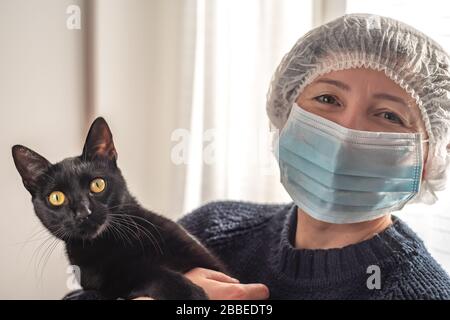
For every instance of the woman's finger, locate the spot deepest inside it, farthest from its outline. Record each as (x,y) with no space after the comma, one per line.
(251,291)
(219,276)
(256,291)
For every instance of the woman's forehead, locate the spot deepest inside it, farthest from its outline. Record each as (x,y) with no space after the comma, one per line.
(358,75)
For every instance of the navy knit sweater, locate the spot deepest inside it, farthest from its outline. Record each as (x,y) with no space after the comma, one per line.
(256,242)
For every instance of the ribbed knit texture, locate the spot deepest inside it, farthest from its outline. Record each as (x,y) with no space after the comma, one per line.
(256,242)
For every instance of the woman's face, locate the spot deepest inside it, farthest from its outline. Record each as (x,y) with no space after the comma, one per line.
(363,99)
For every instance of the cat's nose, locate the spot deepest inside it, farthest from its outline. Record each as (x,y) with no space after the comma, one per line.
(82,214)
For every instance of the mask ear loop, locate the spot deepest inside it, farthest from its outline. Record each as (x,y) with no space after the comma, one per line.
(422,175)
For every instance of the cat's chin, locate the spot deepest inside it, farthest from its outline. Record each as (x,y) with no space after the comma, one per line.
(90,233)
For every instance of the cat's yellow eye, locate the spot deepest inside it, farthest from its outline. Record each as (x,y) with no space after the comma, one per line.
(56,198)
(98,185)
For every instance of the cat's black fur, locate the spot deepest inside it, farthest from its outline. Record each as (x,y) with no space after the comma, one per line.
(122,249)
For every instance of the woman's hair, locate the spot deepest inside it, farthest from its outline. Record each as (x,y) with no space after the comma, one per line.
(410,58)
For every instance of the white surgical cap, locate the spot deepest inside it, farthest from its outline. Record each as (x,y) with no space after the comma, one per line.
(411,59)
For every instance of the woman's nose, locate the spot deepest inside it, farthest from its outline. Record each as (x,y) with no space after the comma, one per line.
(352,118)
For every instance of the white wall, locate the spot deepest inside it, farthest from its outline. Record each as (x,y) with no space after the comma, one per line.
(41,103)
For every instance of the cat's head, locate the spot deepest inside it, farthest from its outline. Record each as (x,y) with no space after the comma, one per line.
(74,197)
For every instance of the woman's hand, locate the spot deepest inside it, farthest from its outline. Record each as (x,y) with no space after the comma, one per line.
(219,286)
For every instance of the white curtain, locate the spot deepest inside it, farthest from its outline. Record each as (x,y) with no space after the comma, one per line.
(238,46)
(184,82)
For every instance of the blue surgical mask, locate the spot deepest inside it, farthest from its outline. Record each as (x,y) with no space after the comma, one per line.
(341,175)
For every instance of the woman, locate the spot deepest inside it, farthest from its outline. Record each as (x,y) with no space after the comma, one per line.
(363,106)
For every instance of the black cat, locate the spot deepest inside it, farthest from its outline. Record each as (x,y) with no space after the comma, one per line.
(122,249)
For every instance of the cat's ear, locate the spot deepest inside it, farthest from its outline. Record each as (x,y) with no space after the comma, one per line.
(99,142)
(30,166)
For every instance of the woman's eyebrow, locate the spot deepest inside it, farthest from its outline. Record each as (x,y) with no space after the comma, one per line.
(335,83)
(392,98)
(346,87)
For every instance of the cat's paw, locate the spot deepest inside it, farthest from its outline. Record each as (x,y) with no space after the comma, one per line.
(197,293)
(84,295)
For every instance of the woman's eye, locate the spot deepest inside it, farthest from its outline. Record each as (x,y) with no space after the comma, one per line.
(98,185)
(326,98)
(392,117)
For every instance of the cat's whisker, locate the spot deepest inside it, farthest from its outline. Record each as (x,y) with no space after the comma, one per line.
(122,205)
(141,229)
(30,239)
(55,238)
(67,237)
(111,225)
(129,220)
(109,229)
(154,226)
(123,214)
(147,234)
(125,238)
(54,245)
(119,235)
(129,231)
(42,258)
(151,237)
(39,248)
(36,254)
(36,230)
(120,232)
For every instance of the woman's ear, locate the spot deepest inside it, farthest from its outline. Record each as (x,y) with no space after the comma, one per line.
(99,142)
